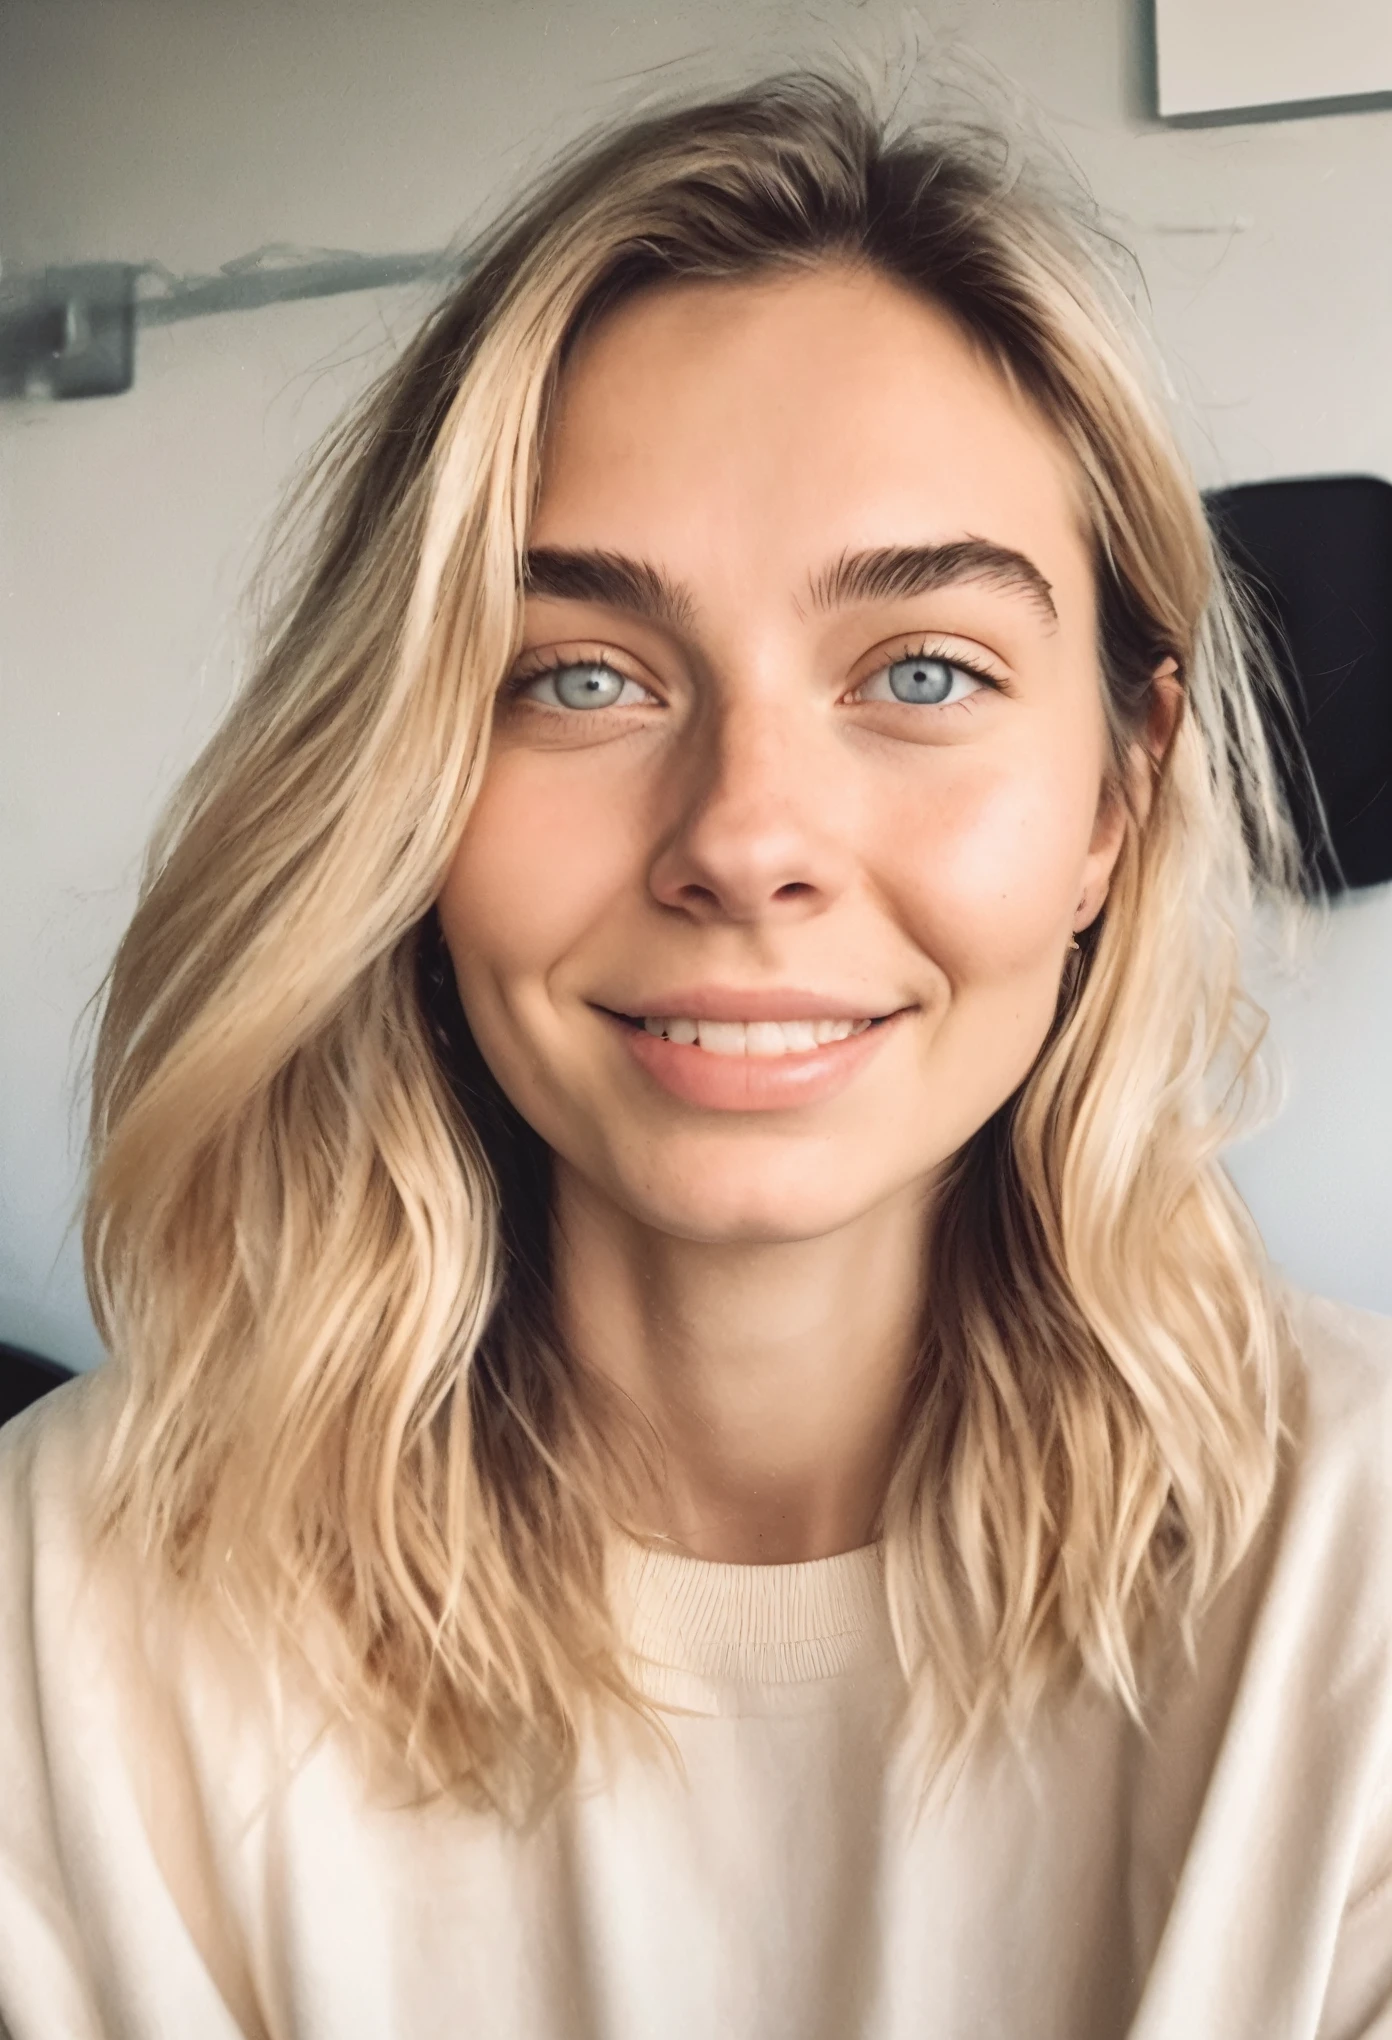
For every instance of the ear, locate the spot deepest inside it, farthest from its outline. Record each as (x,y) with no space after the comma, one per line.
(1149,751)
(1143,761)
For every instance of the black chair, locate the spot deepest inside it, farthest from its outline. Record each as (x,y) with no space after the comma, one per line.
(24,1377)
(1317,556)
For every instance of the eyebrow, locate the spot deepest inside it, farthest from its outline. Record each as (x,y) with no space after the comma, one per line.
(893,572)
(619,583)
(888,573)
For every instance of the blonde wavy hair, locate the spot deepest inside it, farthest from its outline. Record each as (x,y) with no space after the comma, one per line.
(316,1237)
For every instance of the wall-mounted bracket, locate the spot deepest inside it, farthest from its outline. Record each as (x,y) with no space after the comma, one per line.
(68,332)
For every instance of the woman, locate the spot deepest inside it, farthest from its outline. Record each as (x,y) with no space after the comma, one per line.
(696,1441)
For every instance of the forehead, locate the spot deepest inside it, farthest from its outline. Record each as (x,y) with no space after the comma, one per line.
(801,414)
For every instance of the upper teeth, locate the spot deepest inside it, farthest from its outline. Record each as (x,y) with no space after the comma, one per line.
(755,1037)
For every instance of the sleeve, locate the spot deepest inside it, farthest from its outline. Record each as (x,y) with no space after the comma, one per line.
(1358,2002)
(1358,1997)
(46,1985)
(98,1935)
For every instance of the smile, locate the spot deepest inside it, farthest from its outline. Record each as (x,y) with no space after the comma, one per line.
(753,1037)
(726,1064)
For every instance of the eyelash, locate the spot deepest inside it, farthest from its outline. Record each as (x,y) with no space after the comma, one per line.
(551,663)
(931,650)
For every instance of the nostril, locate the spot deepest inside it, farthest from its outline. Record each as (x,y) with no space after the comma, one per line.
(794,890)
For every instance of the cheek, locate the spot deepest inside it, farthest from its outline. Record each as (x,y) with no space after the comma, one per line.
(987,871)
(538,862)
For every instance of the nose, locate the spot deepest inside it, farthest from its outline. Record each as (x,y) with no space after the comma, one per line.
(758,832)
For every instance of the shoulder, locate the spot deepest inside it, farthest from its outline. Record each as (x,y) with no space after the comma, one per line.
(131,1768)
(87,1622)
(1333,1506)
(57,1754)
(50,1457)
(77,1602)
(1338,1399)
(1326,1621)
(59,1591)
(98,1640)
(1333,1601)
(1303,1628)
(1348,1349)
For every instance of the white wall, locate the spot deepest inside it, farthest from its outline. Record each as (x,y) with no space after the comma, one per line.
(193,133)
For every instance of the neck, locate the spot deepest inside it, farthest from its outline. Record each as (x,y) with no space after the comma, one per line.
(772,1375)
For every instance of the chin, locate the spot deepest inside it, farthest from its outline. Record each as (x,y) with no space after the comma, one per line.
(742,1221)
(744,1199)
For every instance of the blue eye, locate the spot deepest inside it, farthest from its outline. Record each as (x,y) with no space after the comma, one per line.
(585,684)
(930,681)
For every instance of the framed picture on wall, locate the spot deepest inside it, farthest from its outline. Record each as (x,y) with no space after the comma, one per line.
(1234,56)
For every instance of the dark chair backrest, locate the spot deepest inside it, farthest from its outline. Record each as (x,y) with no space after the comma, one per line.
(1318,556)
(24,1377)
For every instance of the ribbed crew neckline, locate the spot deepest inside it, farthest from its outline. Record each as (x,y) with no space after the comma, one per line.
(768,1624)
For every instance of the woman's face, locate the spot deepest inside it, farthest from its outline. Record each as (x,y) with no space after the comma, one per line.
(795,795)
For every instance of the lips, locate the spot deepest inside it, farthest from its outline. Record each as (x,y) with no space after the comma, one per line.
(733,1064)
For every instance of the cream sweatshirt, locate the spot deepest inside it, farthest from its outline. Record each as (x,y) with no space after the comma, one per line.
(166,1873)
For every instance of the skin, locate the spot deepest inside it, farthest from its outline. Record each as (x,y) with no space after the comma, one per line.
(757,812)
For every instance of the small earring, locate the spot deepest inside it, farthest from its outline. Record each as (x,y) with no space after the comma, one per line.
(1074,943)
